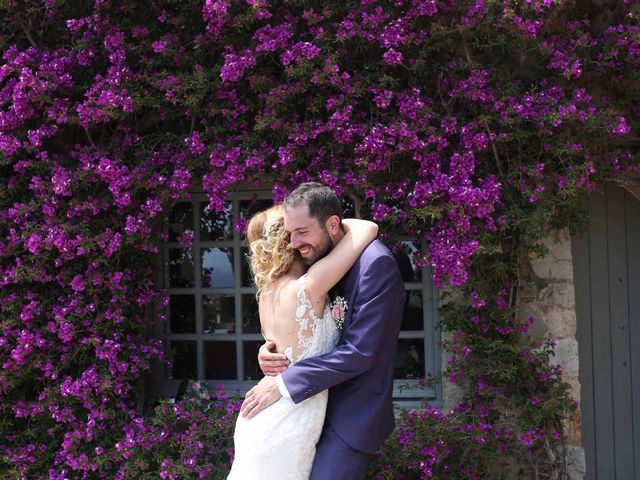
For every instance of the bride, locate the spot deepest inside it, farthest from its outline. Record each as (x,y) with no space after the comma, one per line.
(296,315)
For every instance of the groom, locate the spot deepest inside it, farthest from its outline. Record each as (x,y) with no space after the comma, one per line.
(359,371)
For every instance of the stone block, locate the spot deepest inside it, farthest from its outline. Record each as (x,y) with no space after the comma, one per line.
(566,354)
(526,310)
(539,328)
(561,322)
(452,394)
(576,463)
(574,387)
(554,311)
(558,294)
(572,428)
(576,427)
(558,263)
(527,292)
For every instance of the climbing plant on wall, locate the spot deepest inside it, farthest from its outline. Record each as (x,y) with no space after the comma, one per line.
(470,126)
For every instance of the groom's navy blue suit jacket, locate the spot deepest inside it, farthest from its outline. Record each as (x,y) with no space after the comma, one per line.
(359,370)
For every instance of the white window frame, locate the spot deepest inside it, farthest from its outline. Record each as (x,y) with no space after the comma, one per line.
(408,393)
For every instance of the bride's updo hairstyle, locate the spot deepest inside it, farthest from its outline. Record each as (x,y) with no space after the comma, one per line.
(271,253)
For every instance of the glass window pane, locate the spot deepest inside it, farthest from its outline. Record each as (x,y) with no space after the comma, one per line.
(182,314)
(251,368)
(413,318)
(250,315)
(247,279)
(183,353)
(180,220)
(220,361)
(216,225)
(217,268)
(406,261)
(409,359)
(249,208)
(219,313)
(181,268)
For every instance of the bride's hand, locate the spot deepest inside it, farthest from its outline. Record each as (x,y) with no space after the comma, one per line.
(271,363)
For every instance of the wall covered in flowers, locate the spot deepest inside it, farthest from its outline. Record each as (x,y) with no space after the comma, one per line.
(472,126)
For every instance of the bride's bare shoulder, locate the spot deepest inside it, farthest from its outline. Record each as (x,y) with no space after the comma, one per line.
(291,285)
(282,290)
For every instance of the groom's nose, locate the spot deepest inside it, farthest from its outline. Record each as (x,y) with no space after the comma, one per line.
(295,241)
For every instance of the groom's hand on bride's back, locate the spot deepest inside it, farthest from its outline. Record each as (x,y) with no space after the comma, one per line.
(271,363)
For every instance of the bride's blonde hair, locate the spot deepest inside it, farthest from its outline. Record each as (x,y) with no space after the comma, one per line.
(271,253)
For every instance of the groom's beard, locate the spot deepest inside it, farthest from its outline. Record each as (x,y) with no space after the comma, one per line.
(320,251)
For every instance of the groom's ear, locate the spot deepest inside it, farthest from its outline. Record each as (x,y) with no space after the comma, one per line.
(333,224)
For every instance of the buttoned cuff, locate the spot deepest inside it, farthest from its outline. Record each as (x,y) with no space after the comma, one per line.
(282,387)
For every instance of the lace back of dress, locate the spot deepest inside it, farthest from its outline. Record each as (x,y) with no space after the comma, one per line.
(316,335)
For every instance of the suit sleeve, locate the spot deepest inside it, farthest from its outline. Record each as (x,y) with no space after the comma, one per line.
(377,307)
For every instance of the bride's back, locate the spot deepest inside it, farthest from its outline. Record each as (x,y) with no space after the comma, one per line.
(277,308)
(298,326)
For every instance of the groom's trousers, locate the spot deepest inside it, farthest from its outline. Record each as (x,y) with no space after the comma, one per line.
(335,460)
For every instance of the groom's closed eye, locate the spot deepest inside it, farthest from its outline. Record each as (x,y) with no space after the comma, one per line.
(297,236)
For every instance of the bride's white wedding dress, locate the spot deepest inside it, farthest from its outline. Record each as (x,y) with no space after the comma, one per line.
(280,441)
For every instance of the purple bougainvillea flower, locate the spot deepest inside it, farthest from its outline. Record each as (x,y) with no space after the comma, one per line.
(77,283)
(393,57)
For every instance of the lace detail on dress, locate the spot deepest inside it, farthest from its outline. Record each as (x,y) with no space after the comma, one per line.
(316,335)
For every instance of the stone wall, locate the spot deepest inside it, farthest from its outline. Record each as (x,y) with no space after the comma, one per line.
(548,295)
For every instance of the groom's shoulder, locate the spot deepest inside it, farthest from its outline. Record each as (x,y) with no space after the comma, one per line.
(377,261)
(374,253)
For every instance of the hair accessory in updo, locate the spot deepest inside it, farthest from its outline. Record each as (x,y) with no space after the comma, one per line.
(272,229)
(271,253)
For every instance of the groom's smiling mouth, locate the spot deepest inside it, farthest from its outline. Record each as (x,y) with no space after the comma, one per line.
(304,250)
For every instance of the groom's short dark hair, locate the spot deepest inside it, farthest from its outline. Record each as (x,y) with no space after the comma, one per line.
(322,201)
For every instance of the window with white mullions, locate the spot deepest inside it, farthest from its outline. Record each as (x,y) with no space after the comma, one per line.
(212,330)
(418,356)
